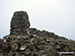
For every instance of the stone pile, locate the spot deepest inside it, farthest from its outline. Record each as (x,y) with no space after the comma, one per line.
(29,46)
(45,33)
(26,41)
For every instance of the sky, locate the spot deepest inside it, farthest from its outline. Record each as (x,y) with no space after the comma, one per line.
(56,16)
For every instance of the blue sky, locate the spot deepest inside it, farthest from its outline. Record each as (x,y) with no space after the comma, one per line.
(56,16)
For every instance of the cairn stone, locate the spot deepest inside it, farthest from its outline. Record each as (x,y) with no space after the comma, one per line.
(19,23)
(25,41)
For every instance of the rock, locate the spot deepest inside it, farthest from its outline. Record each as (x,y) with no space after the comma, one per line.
(23,48)
(4,40)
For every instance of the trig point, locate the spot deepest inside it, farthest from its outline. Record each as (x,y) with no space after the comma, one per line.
(19,23)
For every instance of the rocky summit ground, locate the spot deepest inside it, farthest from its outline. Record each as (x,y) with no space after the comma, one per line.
(26,41)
